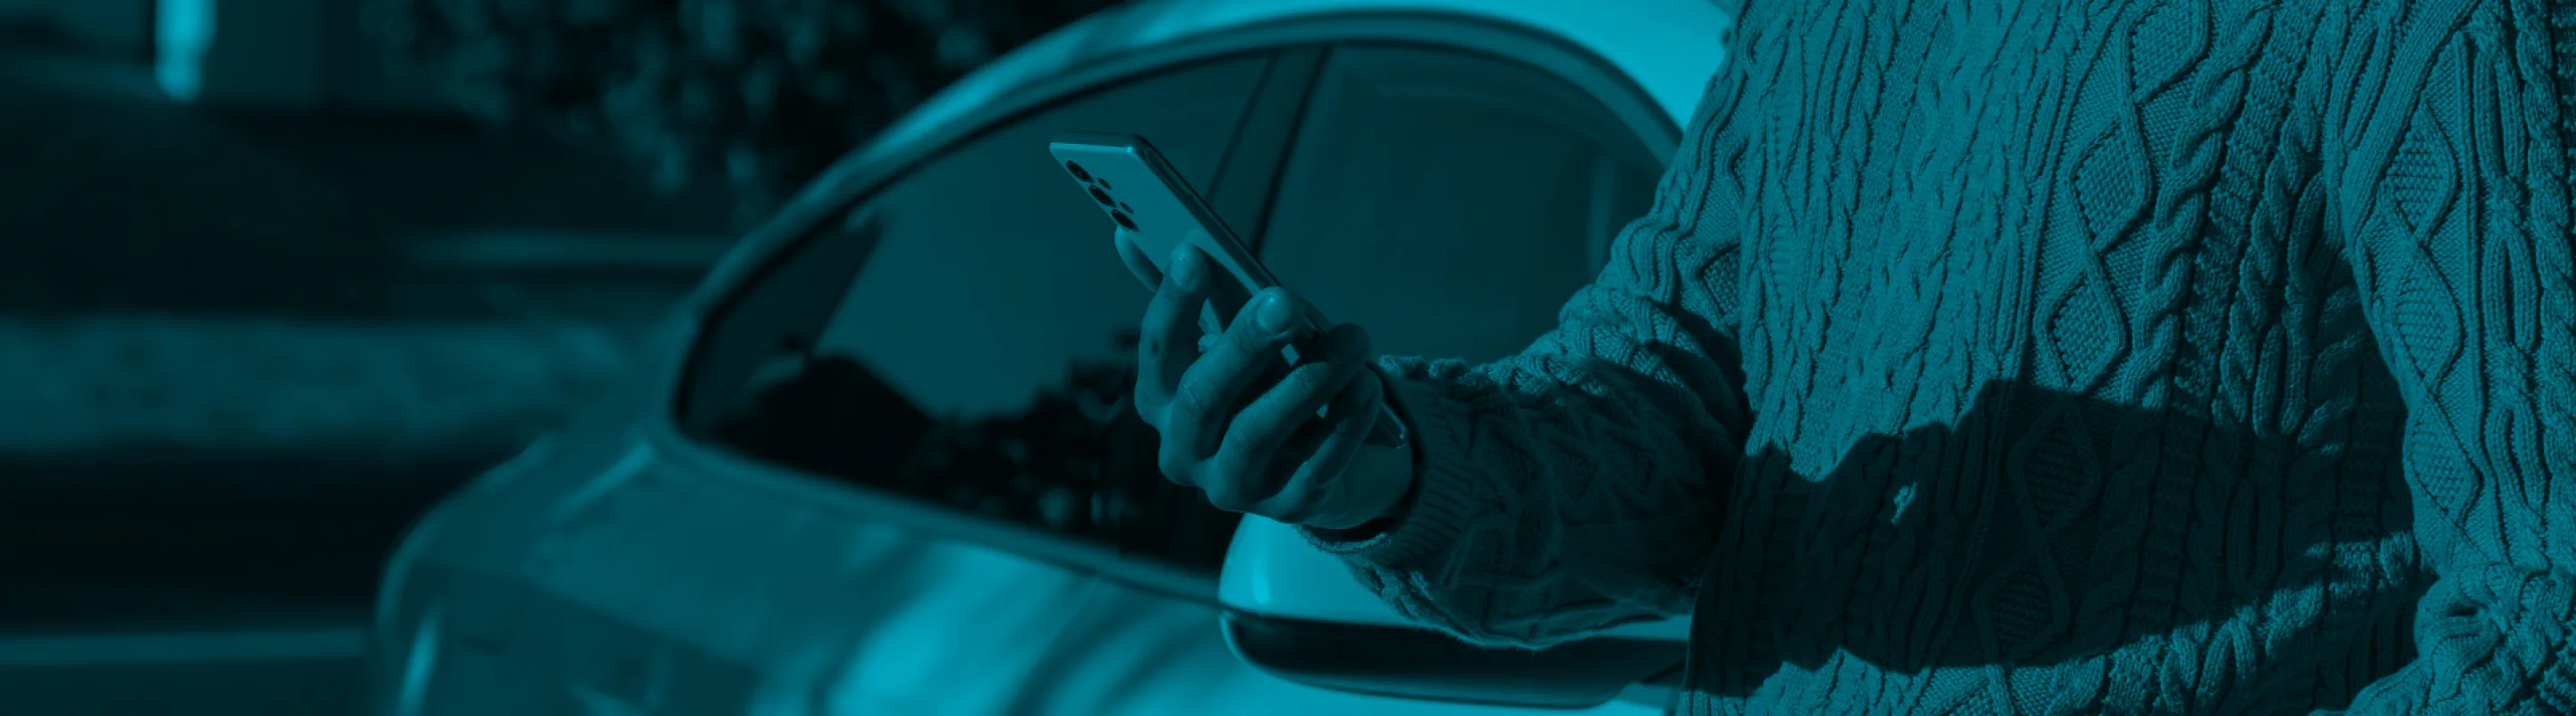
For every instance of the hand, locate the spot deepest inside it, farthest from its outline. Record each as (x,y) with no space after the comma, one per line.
(1247,434)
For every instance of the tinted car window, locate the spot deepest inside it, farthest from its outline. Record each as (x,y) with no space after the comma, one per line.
(1451,201)
(965,336)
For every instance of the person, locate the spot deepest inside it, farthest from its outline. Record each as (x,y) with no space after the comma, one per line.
(2005,357)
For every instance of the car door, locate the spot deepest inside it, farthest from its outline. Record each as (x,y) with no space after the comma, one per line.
(885,478)
(999,392)
(1449,198)
(961,347)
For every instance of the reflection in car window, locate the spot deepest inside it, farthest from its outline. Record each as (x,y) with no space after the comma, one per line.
(967,336)
(1451,201)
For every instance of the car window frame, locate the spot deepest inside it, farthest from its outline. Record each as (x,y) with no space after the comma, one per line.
(821,208)
(1625,100)
(664,428)
(781,239)
(1607,122)
(829,196)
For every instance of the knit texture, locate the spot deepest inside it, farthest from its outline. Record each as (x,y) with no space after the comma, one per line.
(1993,356)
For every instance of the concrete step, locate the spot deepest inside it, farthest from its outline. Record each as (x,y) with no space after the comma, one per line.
(293,672)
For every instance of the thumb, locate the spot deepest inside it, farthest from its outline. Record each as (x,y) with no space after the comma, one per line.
(1137,262)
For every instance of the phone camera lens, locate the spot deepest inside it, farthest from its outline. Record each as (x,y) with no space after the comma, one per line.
(1077,170)
(1121,218)
(1102,197)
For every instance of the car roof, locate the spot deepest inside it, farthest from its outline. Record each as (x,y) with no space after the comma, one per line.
(1667,48)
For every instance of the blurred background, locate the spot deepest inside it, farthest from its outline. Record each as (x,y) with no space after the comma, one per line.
(279,277)
(278,273)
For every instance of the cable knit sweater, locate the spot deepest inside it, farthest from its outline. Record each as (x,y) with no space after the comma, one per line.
(1996,356)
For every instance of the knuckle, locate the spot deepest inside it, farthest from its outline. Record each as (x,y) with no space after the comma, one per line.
(1175,466)
(1297,502)
(1296,514)
(1152,386)
(1233,467)
(1272,426)
(1165,307)
(1311,379)
(1225,496)
(1192,400)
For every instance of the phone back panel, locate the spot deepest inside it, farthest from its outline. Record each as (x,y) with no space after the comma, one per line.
(1143,195)
(1137,189)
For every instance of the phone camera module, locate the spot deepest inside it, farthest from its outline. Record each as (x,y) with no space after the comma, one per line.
(1102,197)
(1121,218)
(1078,173)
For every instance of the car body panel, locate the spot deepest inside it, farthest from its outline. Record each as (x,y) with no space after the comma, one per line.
(1662,45)
(616,567)
(1272,570)
(746,599)
(640,590)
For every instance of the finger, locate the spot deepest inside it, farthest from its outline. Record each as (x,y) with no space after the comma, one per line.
(1267,482)
(1138,263)
(1271,419)
(1213,387)
(1226,292)
(1320,465)
(1285,414)
(1308,439)
(1166,343)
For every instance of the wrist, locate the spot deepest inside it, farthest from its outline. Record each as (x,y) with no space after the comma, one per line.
(1381,480)
(1392,470)
(1403,471)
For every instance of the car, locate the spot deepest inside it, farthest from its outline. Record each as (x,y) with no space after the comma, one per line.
(881,461)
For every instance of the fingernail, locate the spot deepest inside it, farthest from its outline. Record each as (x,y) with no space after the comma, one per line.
(1275,312)
(1185,270)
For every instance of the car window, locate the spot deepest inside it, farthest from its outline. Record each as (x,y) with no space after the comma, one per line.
(1451,201)
(965,335)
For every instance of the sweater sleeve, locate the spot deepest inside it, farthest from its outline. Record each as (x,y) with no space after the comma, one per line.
(1577,486)
(2447,154)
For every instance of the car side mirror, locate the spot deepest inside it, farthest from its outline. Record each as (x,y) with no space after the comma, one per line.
(1297,612)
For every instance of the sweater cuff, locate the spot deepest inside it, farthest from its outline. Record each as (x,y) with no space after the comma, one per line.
(1442,493)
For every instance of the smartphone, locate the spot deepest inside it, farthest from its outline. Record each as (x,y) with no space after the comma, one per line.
(1158,210)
